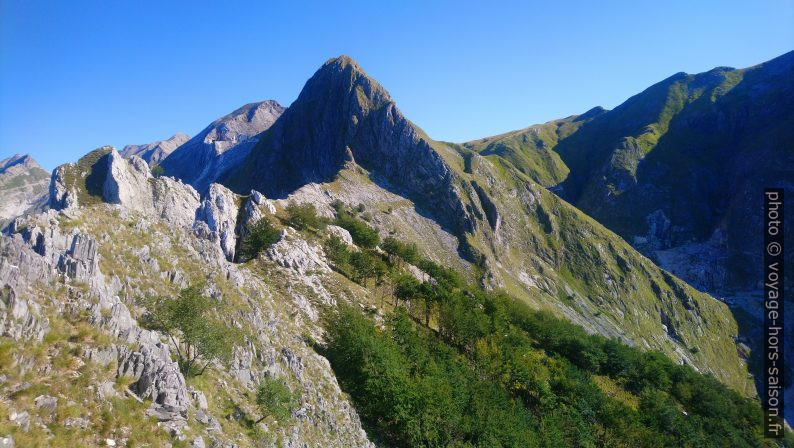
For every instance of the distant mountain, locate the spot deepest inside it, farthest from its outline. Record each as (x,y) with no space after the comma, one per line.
(23,186)
(221,145)
(153,153)
(681,164)
(687,160)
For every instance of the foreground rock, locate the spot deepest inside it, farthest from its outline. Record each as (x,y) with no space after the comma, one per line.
(115,236)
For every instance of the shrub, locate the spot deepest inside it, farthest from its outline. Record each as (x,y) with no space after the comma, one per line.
(336,250)
(362,234)
(157,170)
(261,235)
(275,400)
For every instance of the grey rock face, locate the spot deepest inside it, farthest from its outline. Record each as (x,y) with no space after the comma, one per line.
(341,233)
(20,318)
(153,153)
(297,254)
(156,377)
(219,211)
(24,187)
(46,403)
(130,183)
(34,255)
(35,251)
(62,197)
(223,144)
(21,419)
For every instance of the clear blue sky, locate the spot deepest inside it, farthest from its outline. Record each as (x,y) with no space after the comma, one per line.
(75,75)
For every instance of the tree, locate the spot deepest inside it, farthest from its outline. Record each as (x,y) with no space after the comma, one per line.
(261,235)
(337,251)
(408,252)
(275,400)
(406,288)
(362,234)
(195,333)
(366,266)
(303,217)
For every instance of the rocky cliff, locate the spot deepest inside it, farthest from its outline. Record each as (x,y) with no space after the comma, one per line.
(23,186)
(75,281)
(685,160)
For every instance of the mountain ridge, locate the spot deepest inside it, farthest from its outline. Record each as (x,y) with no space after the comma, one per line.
(153,153)
(23,186)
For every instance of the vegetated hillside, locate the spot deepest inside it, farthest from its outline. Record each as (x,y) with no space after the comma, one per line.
(23,186)
(683,161)
(678,170)
(90,355)
(344,138)
(531,150)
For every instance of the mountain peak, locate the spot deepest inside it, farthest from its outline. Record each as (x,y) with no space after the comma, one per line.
(342,61)
(155,152)
(25,160)
(347,82)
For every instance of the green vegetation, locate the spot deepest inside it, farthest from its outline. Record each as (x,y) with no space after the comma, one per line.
(304,217)
(194,332)
(360,266)
(83,178)
(460,366)
(363,235)
(274,399)
(337,251)
(367,265)
(398,250)
(157,170)
(261,235)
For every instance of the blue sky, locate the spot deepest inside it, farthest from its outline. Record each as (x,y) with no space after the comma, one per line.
(81,74)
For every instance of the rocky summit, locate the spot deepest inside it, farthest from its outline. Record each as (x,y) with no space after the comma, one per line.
(329,275)
(154,153)
(23,186)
